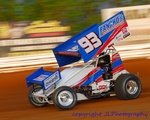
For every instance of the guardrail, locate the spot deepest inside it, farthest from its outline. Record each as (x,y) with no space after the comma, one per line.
(28,62)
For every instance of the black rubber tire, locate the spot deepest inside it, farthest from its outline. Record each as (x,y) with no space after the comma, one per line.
(120,87)
(32,100)
(56,101)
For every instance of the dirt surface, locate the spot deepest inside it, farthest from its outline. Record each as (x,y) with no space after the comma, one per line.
(14,104)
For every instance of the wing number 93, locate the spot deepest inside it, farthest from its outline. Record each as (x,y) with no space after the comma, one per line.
(90,42)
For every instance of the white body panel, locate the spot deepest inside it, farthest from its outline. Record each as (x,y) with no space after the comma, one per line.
(73,75)
(115,76)
(81,97)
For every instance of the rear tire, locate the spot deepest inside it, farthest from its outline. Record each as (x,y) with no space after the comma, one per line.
(127,86)
(33,100)
(64,98)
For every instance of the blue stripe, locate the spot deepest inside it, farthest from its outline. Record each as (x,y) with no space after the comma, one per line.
(92,78)
(116,63)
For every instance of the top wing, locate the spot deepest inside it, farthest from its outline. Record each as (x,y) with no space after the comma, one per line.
(92,41)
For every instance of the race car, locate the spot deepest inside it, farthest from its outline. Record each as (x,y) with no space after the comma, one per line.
(100,72)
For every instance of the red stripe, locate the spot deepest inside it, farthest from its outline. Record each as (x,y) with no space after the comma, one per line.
(92,72)
(115,57)
(86,77)
(118,69)
(67,53)
(99,79)
(83,80)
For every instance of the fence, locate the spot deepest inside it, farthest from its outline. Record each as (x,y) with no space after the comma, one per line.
(131,48)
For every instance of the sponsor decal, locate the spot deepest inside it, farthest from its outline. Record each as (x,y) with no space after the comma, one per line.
(119,37)
(111,24)
(102,87)
(51,80)
(41,77)
(125,32)
(73,49)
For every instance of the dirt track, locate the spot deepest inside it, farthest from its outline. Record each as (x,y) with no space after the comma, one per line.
(14,104)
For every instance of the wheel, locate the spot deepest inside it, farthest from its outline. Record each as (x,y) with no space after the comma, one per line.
(36,101)
(64,97)
(127,86)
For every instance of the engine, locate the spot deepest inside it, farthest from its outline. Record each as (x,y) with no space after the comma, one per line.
(86,90)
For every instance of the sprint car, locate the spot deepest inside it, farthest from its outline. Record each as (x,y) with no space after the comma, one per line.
(100,72)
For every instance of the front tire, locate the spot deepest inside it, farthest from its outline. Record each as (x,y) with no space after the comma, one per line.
(127,86)
(64,98)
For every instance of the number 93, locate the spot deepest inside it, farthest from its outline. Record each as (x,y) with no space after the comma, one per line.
(90,42)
